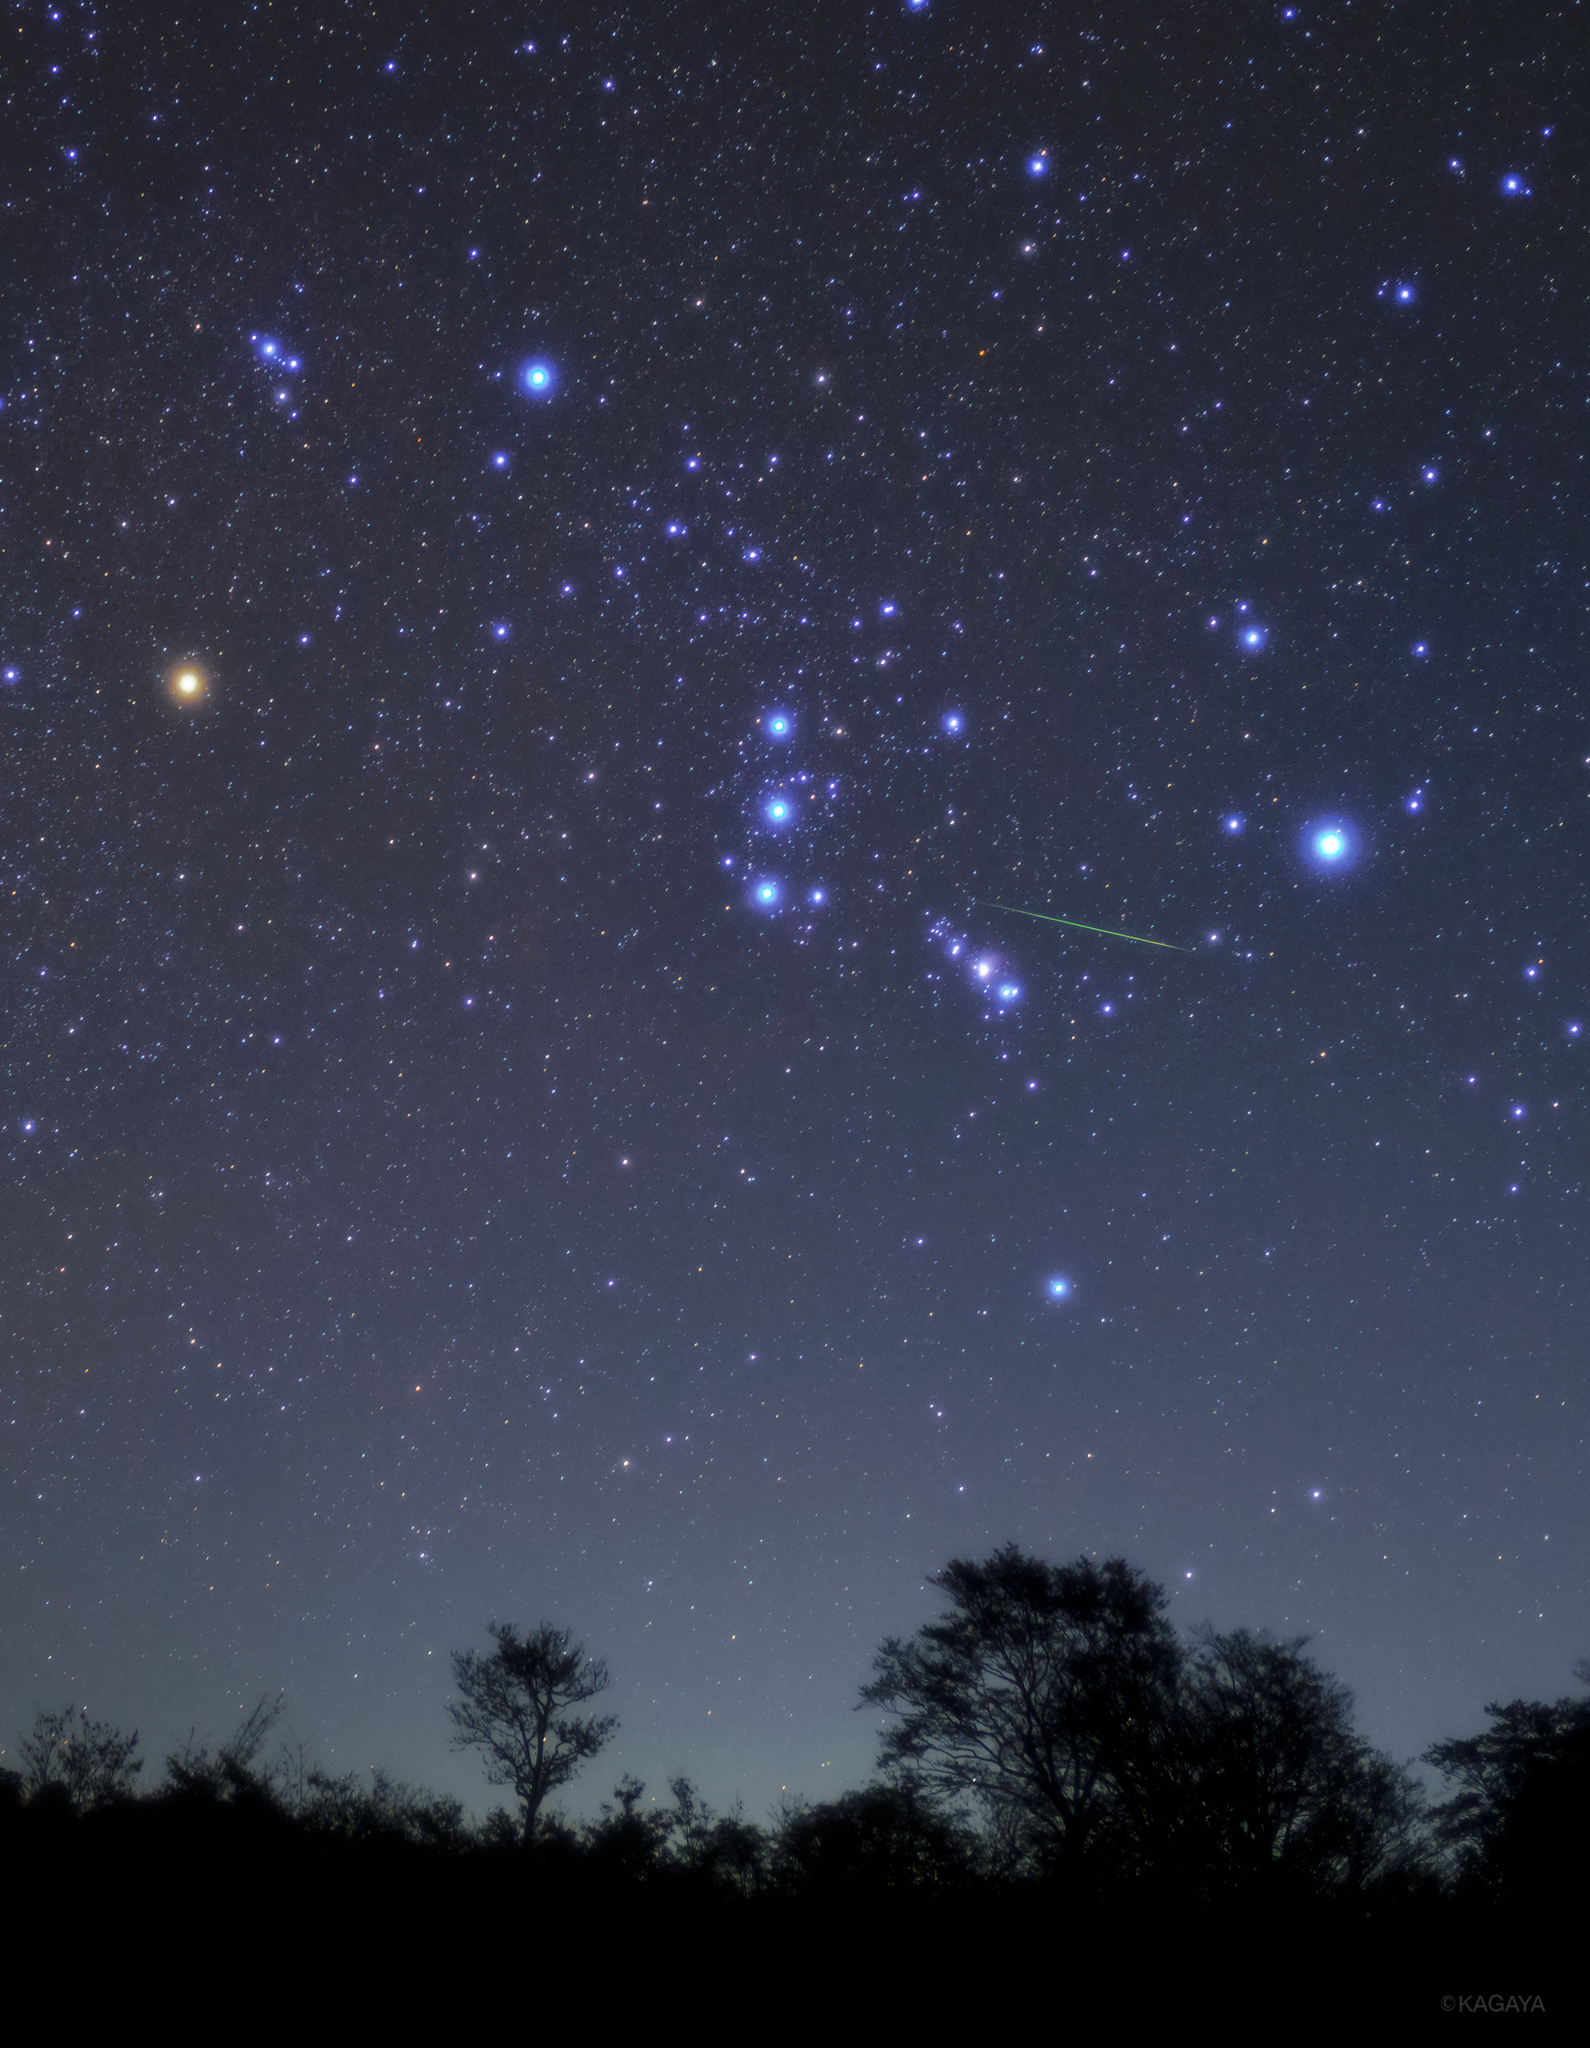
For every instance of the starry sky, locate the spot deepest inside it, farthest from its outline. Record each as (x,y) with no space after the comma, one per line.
(571,580)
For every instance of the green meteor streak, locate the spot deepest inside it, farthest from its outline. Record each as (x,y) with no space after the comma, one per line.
(1044,918)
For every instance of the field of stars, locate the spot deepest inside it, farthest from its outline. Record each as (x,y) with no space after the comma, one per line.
(787,791)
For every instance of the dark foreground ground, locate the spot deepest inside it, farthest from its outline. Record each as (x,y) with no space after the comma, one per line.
(218,1916)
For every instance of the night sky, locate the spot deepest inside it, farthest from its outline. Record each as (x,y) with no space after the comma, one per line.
(556,567)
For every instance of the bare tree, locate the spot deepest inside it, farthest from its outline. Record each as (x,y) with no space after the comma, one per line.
(90,1761)
(234,1770)
(515,1710)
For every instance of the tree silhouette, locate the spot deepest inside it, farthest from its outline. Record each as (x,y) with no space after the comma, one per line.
(1517,1820)
(726,1848)
(90,1762)
(515,1711)
(1276,1783)
(1047,1693)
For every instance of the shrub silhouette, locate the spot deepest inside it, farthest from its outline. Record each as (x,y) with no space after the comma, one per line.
(87,1763)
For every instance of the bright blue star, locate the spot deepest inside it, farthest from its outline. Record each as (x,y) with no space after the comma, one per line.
(817,896)
(1574,1030)
(1513,185)
(1414,800)
(1234,823)
(537,378)
(499,631)
(1405,295)
(778,810)
(1057,1287)
(1330,845)
(768,893)
(953,722)
(1008,991)
(1254,637)
(778,725)
(1420,650)
(1430,473)
(499,461)
(1038,166)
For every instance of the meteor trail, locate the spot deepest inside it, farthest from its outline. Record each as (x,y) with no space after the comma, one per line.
(1044,918)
